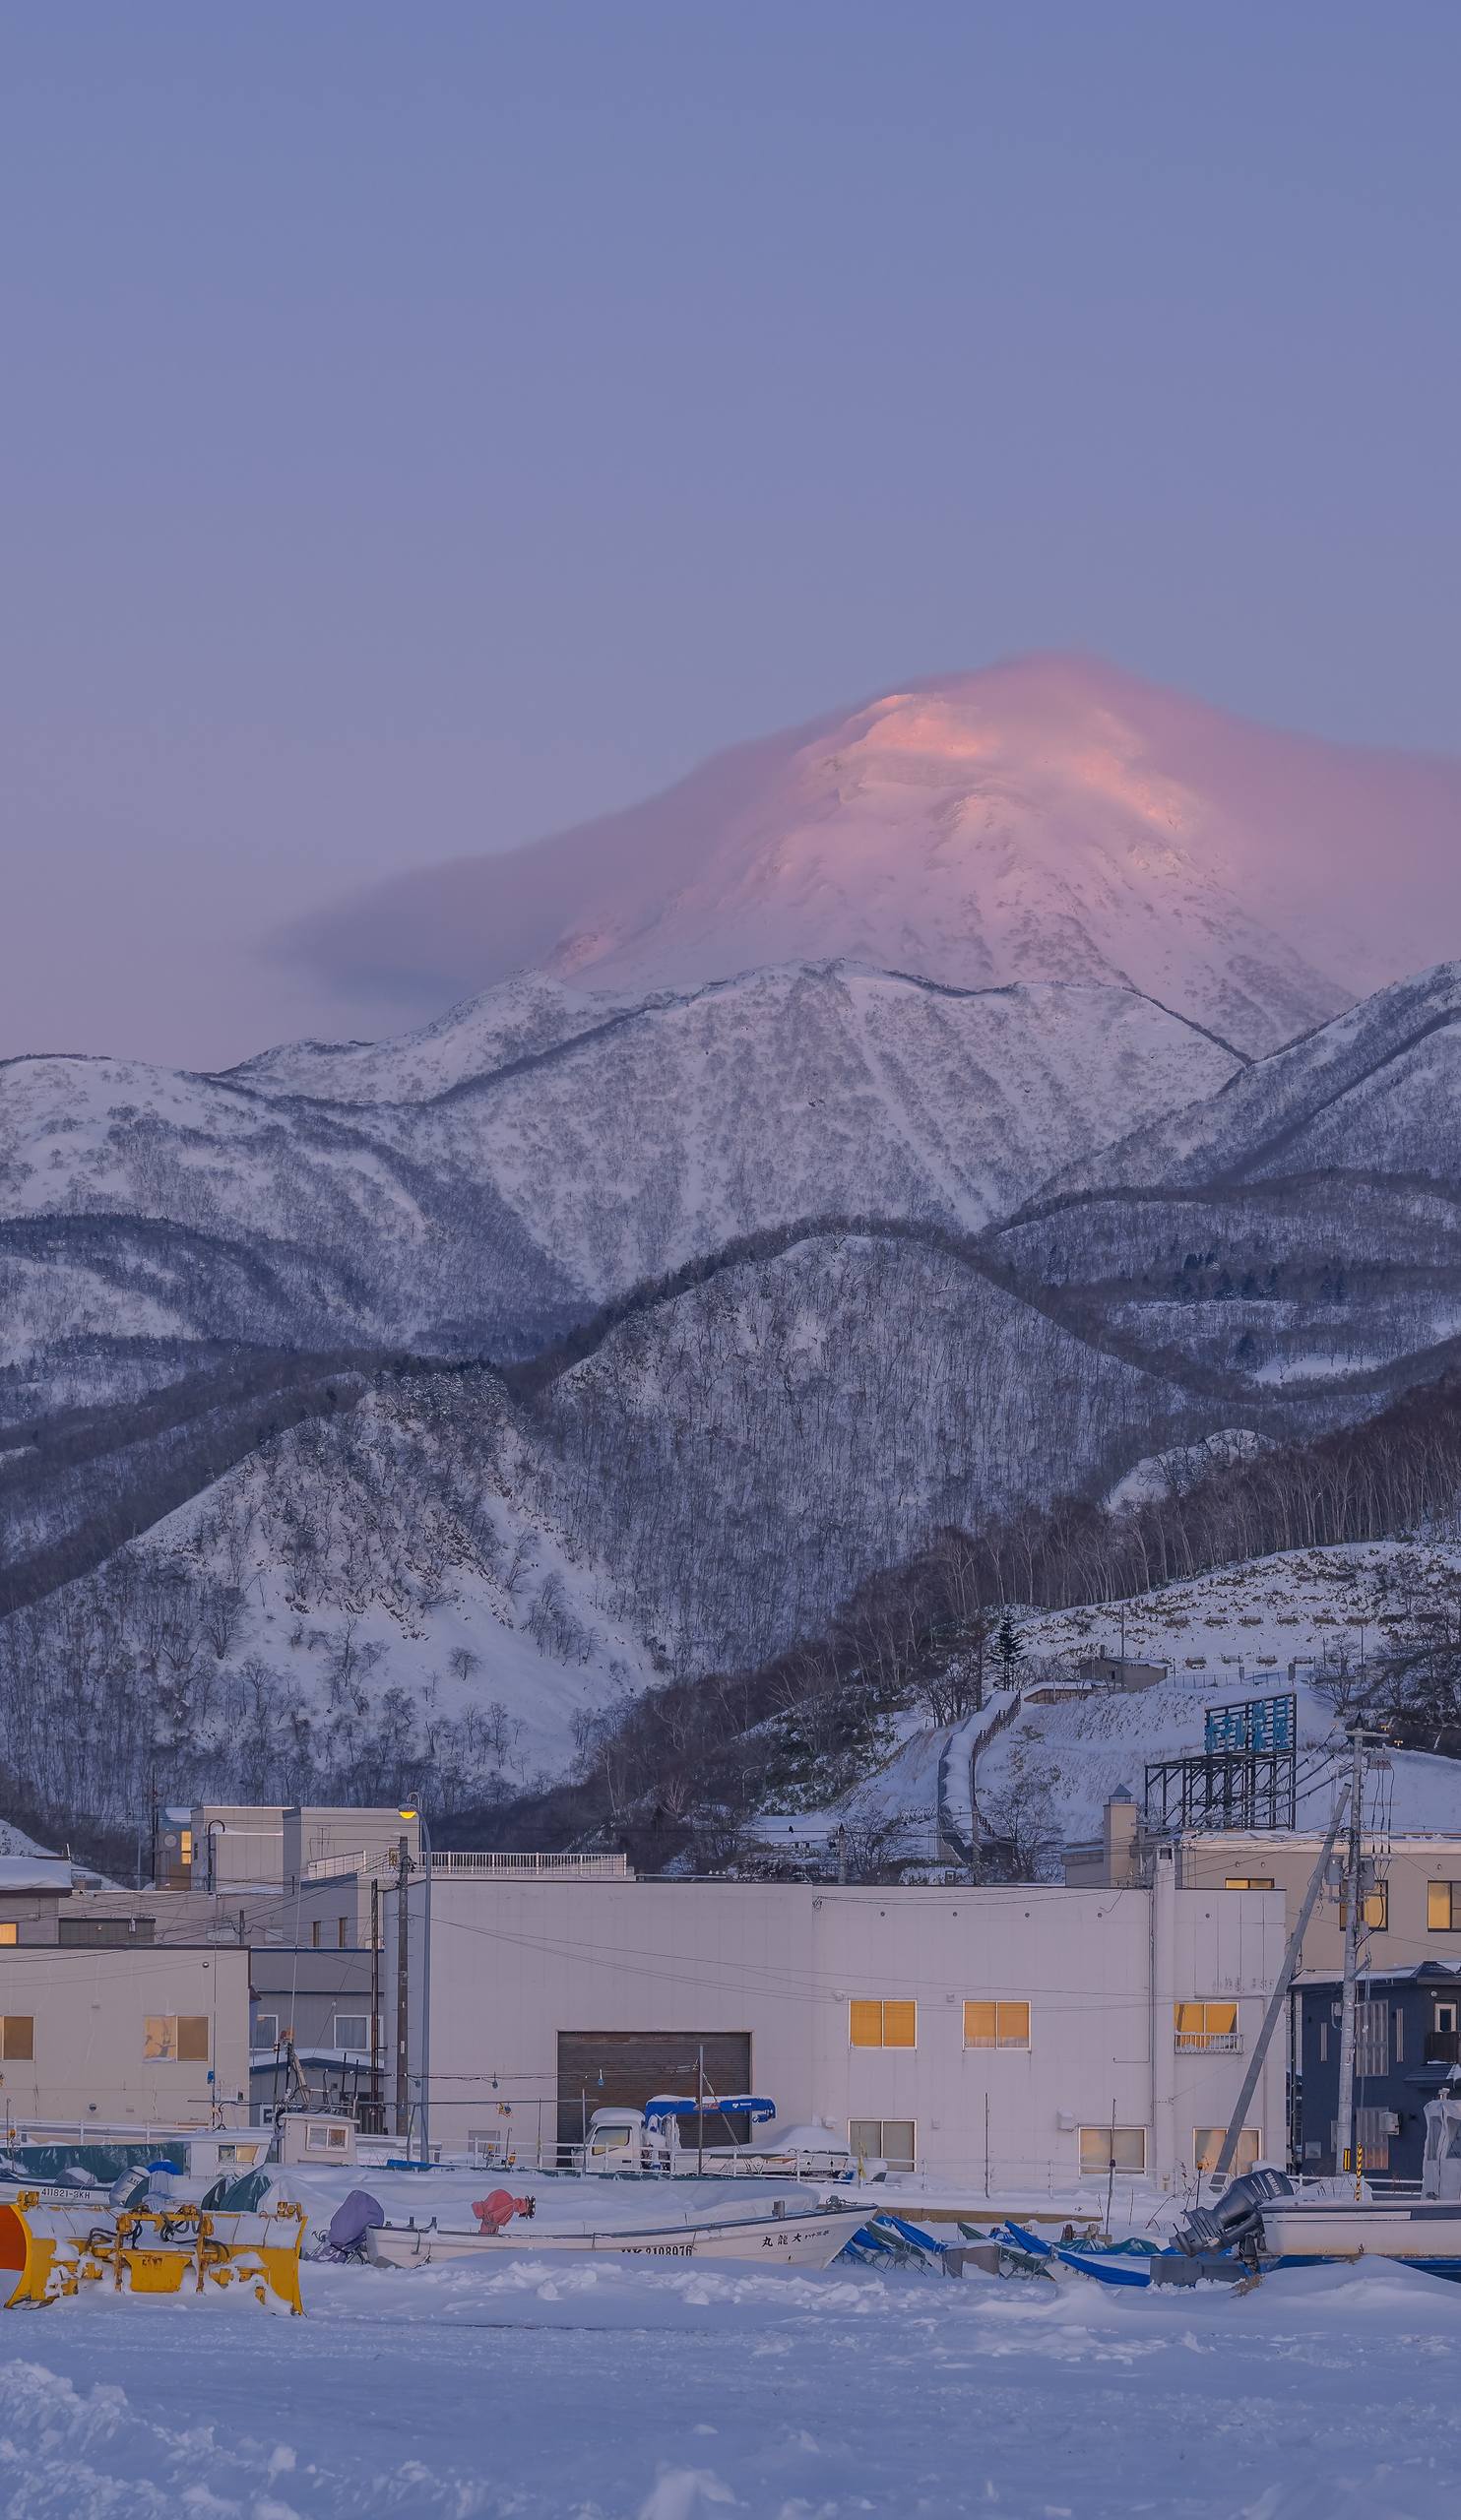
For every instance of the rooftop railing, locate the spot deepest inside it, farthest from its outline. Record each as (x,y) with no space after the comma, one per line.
(471,1864)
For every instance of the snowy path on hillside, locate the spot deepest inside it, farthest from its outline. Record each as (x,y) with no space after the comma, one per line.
(601,2392)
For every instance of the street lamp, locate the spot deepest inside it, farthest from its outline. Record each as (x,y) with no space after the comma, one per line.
(420,1819)
(212,1864)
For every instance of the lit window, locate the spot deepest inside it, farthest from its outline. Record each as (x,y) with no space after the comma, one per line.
(876,2023)
(996,2025)
(1206,2026)
(1248,1881)
(883,2139)
(9,1931)
(1376,1911)
(169,2037)
(1443,1907)
(1207,2143)
(16,2037)
(185,1846)
(1108,2148)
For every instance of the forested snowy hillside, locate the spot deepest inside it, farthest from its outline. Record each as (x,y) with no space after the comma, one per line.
(475,1187)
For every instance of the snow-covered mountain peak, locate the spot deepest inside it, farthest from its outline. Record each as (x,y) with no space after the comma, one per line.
(1049,819)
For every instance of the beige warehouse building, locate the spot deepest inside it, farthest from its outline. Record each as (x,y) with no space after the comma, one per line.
(157,2035)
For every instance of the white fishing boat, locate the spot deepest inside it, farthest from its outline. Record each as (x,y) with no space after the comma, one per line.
(1272,2222)
(813,2237)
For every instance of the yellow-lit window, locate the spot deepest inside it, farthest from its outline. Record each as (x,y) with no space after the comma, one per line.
(16,2037)
(1444,1906)
(9,1931)
(1108,2148)
(169,2037)
(185,1846)
(1248,1881)
(876,2022)
(996,2025)
(1205,2025)
(1376,1911)
(1207,2144)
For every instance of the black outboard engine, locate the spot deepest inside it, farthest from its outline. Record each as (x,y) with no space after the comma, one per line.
(1236,2221)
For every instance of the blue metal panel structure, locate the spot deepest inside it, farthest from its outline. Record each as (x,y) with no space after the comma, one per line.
(1258,1725)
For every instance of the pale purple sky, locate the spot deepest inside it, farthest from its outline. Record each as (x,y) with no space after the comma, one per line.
(425,426)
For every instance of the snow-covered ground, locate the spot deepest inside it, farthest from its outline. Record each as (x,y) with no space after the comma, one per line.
(574,2390)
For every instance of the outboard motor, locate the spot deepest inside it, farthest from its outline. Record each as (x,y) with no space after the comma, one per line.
(1236,2221)
(130,2186)
(495,2212)
(350,2222)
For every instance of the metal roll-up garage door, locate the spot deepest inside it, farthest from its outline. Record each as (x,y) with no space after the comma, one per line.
(623,2069)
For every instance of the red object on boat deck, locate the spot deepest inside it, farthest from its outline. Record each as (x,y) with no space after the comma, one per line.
(496,2211)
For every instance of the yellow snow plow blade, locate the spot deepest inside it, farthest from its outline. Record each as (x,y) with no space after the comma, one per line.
(48,2252)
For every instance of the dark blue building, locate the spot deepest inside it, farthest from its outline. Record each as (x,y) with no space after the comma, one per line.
(1407,2046)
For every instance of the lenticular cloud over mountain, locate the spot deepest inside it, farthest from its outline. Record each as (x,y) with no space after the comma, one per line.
(1050,819)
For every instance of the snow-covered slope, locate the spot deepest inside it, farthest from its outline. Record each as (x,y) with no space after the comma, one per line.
(1273,1623)
(1377,1090)
(1050,819)
(537,1153)
(382,1596)
(1299,1619)
(1296,1230)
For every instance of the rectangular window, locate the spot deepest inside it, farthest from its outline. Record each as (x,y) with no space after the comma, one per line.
(1106,2148)
(1376,1911)
(314,1933)
(1248,1881)
(1207,2143)
(265,2030)
(883,2139)
(1372,2039)
(352,2032)
(185,1846)
(16,2037)
(1323,2042)
(1444,1906)
(326,2139)
(876,2022)
(9,1931)
(1207,2027)
(1373,2128)
(343,1923)
(179,2039)
(996,2025)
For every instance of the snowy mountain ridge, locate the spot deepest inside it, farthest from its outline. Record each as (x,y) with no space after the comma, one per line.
(537,1153)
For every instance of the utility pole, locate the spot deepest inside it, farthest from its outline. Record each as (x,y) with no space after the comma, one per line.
(403,1982)
(1344,2142)
(1279,1997)
(375,2093)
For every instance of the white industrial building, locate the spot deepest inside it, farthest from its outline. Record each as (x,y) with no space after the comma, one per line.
(1027,2033)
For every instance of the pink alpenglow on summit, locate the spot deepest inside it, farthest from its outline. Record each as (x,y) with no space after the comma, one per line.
(1050,819)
